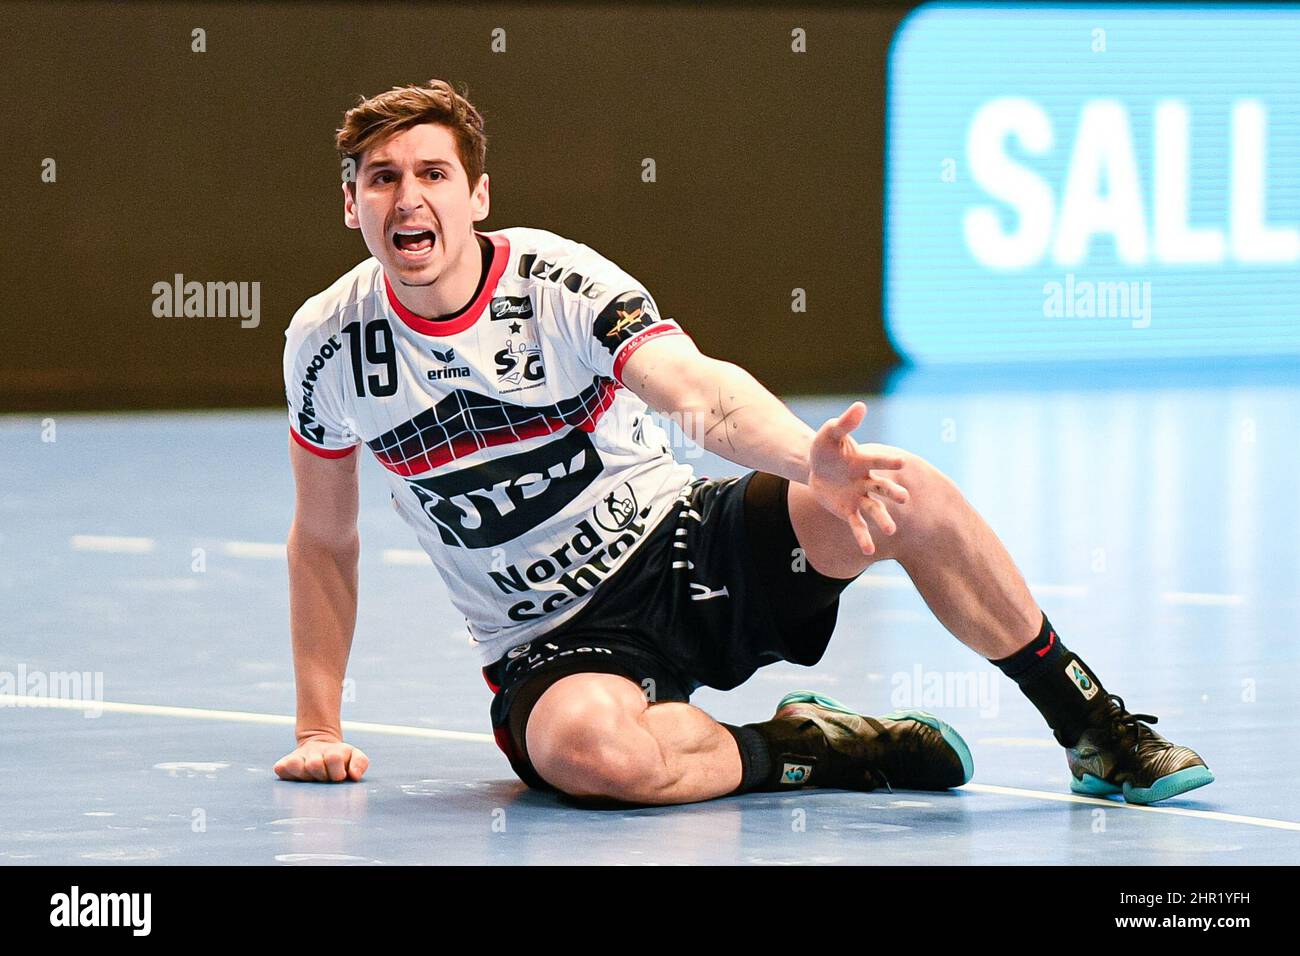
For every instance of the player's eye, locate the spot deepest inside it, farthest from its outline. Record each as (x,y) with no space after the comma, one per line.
(437,172)
(380,178)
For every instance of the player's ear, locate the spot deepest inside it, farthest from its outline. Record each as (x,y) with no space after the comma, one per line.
(350,206)
(480,200)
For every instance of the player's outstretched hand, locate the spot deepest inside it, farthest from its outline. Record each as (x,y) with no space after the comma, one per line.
(841,475)
(323,759)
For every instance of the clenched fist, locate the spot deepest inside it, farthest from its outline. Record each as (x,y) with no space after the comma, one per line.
(323,759)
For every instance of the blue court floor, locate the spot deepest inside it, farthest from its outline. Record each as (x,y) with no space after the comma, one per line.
(146,681)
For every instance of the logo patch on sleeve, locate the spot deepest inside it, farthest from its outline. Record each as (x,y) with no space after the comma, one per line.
(626,316)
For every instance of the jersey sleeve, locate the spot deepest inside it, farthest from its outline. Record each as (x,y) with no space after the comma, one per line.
(311,381)
(613,317)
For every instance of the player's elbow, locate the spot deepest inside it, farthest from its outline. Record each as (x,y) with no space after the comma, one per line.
(340,543)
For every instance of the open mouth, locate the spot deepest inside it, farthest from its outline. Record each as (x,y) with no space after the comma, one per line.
(414,242)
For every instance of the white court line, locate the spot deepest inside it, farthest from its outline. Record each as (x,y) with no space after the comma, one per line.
(1192,597)
(258,550)
(235,716)
(399,730)
(405,556)
(1115,805)
(100,542)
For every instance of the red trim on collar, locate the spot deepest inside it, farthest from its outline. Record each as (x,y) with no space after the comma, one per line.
(500,257)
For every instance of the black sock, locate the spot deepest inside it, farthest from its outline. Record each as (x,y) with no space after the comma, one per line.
(777,754)
(1063,688)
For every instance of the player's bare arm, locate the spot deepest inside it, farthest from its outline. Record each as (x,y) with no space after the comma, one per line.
(323,549)
(729,412)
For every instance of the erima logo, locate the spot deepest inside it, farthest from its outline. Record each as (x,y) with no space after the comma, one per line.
(459,371)
(795,773)
(1076,673)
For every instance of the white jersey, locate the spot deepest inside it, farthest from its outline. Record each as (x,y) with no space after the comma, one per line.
(527,470)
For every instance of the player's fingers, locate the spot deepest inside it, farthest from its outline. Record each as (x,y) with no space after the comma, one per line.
(851,418)
(880,456)
(314,767)
(861,533)
(837,428)
(876,510)
(336,763)
(886,488)
(357,765)
(289,768)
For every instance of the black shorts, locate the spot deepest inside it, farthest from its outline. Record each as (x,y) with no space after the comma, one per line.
(692,607)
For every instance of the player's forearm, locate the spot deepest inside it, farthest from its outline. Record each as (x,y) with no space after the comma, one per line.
(735,416)
(322,616)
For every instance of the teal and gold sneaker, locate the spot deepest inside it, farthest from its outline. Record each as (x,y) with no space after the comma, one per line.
(904,749)
(1124,755)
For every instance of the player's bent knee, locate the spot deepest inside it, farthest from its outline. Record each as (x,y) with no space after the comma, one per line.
(932,500)
(584,739)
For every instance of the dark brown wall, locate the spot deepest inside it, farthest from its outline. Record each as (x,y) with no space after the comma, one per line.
(219,165)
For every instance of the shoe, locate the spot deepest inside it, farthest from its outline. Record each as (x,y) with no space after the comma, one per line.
(904,749)
(1124,755)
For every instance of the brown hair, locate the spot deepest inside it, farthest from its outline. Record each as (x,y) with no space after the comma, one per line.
(374,120)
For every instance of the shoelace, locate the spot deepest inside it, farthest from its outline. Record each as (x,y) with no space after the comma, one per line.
(1123,723)
(878,776)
